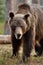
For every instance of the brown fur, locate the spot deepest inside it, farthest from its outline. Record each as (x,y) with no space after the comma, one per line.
(39,30)
(37,14)
(33,16)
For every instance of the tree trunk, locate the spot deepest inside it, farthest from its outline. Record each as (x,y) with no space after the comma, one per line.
(8,8)
(5,39)
(36,1)
(41,2)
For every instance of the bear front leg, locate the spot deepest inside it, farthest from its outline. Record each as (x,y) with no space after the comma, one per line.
(29,43)
(32,38)
(15,45)
(27,46)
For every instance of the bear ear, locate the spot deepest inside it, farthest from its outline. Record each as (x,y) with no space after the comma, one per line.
(26,16)
(11,15)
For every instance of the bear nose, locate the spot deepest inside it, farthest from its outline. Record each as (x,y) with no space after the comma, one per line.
(18,35)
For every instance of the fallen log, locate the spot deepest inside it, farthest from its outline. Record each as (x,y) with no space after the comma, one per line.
(5,39)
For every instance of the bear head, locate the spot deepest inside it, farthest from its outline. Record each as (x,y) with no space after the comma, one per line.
(20,23)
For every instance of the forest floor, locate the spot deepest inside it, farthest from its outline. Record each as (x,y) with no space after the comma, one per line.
(5,57)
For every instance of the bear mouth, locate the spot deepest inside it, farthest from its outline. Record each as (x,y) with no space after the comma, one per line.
(18,36)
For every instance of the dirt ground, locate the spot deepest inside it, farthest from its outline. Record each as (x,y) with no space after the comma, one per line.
(5,57)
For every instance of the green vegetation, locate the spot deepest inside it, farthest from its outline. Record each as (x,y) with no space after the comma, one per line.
(2,10)
(1,27)
(2,16)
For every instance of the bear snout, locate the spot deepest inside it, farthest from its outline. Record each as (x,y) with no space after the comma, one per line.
(18,33)
(18,36)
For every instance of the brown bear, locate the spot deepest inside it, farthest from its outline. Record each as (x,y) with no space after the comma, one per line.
(26,27)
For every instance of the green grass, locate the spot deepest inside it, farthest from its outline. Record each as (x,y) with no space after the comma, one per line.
(1,27)
(5,57)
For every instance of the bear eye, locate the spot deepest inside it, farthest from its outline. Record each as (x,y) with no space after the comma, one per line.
(22,26)
(13,27)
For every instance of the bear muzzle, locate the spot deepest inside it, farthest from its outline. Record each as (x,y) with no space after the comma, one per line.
(18,33)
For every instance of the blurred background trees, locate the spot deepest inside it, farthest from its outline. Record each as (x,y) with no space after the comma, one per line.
(11,5)
(36,1)
(2,10)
